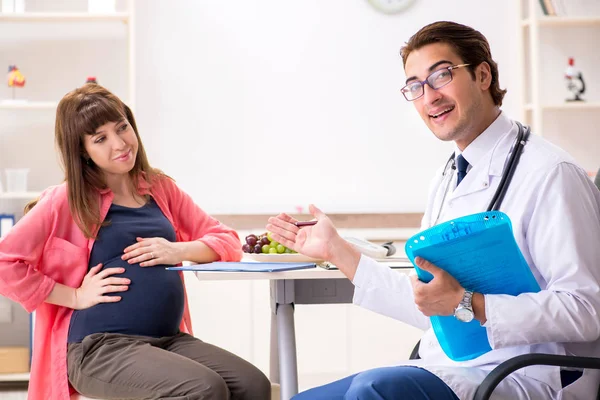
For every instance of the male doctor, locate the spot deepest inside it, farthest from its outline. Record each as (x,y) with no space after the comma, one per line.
(554,207)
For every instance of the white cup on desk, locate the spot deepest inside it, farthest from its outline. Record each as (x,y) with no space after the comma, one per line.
(16,180)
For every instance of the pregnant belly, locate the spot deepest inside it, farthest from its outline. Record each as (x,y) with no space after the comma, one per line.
(152,306)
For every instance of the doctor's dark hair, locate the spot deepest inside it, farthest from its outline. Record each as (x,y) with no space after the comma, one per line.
(470,45)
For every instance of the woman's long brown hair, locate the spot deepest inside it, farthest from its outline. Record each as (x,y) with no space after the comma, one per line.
(80,113)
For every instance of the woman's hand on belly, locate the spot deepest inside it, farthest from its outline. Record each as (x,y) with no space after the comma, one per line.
(96,284)
(153,251)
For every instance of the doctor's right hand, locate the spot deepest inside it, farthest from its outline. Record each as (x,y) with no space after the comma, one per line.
(321,241)
(314,241)
(97,284)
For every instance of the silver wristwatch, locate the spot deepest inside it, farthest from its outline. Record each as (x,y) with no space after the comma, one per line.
(464,311)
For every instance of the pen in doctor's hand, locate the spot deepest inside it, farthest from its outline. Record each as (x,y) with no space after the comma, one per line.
(300,224)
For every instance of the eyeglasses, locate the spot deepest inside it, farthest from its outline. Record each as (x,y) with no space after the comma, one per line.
(436,80)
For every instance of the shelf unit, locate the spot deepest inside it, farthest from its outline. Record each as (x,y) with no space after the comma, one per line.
(36,24)
(560,21)
(64,17)
(545,41)
(588,105)
(65,21)
(531,22)
(28,105)
(19,195)
(10,378)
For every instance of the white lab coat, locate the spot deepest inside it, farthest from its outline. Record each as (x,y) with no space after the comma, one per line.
(555,213)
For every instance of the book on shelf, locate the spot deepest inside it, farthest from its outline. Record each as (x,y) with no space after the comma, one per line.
(551,10)
(548,7)
(571,8)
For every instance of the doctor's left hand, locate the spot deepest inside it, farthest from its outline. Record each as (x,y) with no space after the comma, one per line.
(441,295)
(152,251)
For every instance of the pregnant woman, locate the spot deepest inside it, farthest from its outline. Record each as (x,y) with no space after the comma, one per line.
(89,257)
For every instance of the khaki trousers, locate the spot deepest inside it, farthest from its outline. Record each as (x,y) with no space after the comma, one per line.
(180,367)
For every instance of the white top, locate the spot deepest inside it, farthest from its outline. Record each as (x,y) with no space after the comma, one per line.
(555,212)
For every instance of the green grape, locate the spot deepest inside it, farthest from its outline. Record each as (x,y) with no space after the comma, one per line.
(280,248)
(288,250)
(272,250)
(266,248)
(269,236)
(274,244)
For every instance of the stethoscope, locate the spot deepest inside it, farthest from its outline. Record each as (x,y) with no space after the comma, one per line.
(507,175)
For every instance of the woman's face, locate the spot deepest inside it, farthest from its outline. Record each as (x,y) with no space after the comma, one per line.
(113,147)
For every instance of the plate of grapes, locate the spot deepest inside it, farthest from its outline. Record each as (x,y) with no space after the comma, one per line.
(262,248)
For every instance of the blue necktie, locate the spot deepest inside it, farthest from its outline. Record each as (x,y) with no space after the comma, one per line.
(461,166)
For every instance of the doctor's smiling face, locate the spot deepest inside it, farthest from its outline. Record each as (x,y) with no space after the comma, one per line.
(461,95)
(457,110)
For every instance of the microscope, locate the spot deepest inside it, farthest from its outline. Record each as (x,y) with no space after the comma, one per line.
(574,80)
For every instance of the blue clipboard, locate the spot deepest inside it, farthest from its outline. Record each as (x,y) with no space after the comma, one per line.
(481,253)
(245,266)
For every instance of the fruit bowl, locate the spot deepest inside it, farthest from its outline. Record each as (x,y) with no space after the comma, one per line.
(262,248)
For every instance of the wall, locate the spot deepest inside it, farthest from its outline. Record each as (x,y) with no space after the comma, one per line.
(265,105)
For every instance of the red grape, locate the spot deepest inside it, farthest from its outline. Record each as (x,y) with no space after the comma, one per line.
(251,240)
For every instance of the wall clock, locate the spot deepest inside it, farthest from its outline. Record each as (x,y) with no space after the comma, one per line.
(391,6)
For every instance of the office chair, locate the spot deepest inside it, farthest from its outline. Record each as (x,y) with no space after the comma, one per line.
(485,389)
